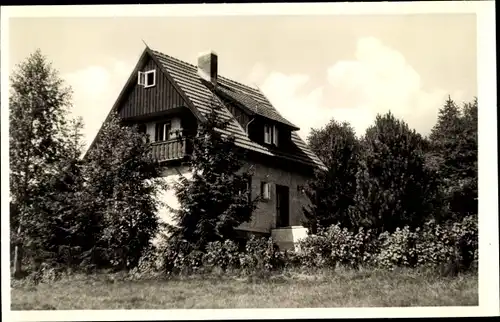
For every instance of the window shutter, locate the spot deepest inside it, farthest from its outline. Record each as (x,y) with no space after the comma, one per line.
(265,191)
(275,136)
(140,78)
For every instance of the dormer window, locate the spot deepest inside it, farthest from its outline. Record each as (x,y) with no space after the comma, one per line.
(147,79)
(271,134)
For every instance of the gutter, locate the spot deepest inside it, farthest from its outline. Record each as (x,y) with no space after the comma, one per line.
(249,124)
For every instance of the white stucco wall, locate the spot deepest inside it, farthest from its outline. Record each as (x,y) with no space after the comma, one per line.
(170,176)
(264,217)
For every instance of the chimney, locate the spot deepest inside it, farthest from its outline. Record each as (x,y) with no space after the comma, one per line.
(207,66)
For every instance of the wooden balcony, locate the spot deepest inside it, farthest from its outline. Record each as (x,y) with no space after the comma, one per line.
(174,149)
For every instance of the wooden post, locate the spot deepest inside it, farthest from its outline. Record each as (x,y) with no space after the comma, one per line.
(18,256)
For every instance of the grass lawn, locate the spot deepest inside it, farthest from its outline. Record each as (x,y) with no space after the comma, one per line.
(343,288)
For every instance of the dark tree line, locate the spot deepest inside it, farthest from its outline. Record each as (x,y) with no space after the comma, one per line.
(393,176)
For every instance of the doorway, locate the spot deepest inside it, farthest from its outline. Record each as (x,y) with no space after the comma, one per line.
(282,206)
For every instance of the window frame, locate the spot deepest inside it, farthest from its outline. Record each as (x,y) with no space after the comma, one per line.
(268,131)
(165,133)
(142,78)
(271,134)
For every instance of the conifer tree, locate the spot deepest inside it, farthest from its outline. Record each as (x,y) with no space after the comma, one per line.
(454,145)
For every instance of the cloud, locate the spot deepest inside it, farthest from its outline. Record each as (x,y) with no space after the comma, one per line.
(376,80)
(95,88)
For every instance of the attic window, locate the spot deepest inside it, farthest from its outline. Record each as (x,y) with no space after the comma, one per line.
(147,79)
(271,134)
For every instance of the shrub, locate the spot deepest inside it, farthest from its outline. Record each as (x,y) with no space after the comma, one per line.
(314,252)
(336,245)
(180,258)
(435,245)
(398,249)
(432,245)
(223,255)
(261,254)
(150,265)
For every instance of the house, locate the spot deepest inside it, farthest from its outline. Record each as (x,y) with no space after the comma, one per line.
(167,96)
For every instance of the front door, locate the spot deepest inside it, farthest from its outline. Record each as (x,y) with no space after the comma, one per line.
(282,206)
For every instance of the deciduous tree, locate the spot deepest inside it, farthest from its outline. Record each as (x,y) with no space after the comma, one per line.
(332,190)
(394,186)
(122,182)
(39,103)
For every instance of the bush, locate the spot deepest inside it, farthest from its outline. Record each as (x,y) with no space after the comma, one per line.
(337,245)
(261,254)
(432,245)
(398,249)
(150,265)
(223,255)
(314,252)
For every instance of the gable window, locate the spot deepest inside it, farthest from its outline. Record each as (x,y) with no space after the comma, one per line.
(271,134)
(162,131)
(265,190)
(147,79)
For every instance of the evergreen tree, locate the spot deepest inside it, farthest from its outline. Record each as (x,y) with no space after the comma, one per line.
(332,190)
(217,198)
(454,145)
(39,104)
(394,186)
(122,182)
(67,223)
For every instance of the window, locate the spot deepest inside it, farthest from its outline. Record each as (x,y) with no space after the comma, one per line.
(265,190)
(162,131)
(275,135)
(271,134)
(147,79)
(267,134)
(247,190)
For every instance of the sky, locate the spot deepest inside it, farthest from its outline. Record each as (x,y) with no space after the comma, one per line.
(311,68)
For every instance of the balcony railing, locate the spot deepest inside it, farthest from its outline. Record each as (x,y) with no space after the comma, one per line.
(174,149)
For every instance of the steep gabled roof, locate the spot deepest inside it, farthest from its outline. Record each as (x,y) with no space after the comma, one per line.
(253,105)
(186,76)
(198,97)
